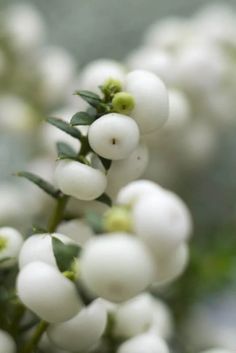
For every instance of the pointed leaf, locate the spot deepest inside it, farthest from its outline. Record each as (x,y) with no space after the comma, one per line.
(64,254)
(104,198)
(41,183)
(82,118)
(64,126)
(65,151)
(91,98)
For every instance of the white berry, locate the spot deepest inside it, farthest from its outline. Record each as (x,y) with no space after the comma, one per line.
(151,100)
(77,230)
(114,136)
(7,345)
(134,317)
(116,267)
(83,331)
(162,221)
(98,71)
(10,244)
(39,247)
(79,180)
(172,266)
(127,170)
(45,291)
(147,342)
(132,192)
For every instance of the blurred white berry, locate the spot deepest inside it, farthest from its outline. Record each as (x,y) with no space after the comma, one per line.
(79,180)
(116,266)
(172,265)
(151,100)
(7,344)
(162,221)
(162,321)
(83,331)
(46,292)
(11,242)
(19,18)
(56,69)
(146,342)
(114,136)
(97,72)
(39,247)
(132,192)
(126,170)
(133,317)
(160,62)
(16,114)
(77,230)
(180,111)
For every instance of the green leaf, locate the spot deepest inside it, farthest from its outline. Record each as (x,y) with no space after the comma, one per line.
(105,162)
(91,98)
(65,151)
(64,126)
(82,118)
(64,254)
(41,183)
(95,222)
(104,198)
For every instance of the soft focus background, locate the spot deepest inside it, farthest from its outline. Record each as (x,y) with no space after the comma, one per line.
(203,300)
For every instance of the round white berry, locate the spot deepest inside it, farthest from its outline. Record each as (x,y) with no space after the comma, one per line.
(39,247)
(98,71)
(77,230)
(114,136)
(11,242)
(132,192)
(147,342)
(7,344)
(133,317)
(79,180)
(116,267)
(179,110)
(173,265)
(83,331)
(162,221)
(151,100)
(46,292)
(162,321)
(19,17)
(125,170)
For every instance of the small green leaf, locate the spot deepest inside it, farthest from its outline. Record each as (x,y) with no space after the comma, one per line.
(41,183)
(105,162)
(104,198)
(95,222)
(65,151)
(64,126)
(82,118)
(64,254)
(91,98)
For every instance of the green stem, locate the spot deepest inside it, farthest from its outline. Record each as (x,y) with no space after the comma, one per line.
(58,213)
(32,344)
